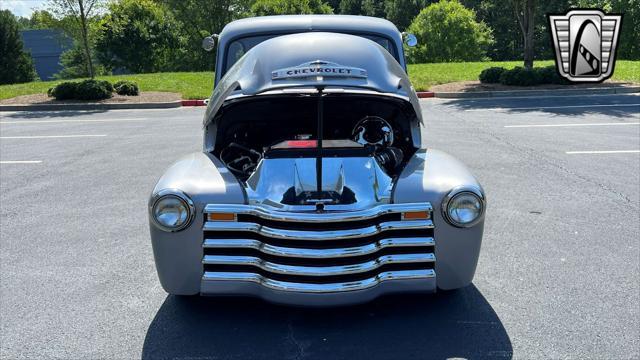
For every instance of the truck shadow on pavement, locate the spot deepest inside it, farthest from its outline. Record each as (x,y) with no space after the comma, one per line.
(458,324)
(41,114)
(623,106)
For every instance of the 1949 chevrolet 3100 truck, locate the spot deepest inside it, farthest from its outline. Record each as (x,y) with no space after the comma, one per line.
(314,186)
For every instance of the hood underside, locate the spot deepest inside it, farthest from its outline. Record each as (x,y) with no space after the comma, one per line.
(300,62)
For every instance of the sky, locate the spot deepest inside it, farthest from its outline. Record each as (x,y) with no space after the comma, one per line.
(21,7)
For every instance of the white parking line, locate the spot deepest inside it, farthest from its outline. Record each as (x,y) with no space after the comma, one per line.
(571,125)
(50,136)
(22,162)
(77,120)
(604,152)
(554,107)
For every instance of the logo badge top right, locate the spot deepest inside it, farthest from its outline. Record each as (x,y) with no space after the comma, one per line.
(585,43)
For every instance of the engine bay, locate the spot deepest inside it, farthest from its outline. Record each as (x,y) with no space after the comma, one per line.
(286,127)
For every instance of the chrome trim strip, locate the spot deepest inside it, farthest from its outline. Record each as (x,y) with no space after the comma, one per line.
(317,235)
(320,288)
(317,270)
(317,253)
(272,213)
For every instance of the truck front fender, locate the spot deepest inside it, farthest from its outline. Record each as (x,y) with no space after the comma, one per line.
(430,175)
(178,255)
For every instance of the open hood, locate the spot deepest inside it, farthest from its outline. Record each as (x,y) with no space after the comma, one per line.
(303,62)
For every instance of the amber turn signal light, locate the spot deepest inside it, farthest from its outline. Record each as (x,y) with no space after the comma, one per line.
(416,215)
(221,217)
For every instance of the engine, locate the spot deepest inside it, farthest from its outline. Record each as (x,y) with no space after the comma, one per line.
(371,136)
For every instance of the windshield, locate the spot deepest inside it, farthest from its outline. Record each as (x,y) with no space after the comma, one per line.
(239,47)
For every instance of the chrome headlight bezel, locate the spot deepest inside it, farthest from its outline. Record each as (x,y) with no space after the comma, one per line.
(476,192)
(182,197)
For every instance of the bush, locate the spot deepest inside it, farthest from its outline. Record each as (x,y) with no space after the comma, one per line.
(94,90)
(124,87)
(85,90)
(491,75)
(549,75)
(447,31)
(64,91)
(519,76)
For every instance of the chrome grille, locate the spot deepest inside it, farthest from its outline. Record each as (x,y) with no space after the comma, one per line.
(318,252)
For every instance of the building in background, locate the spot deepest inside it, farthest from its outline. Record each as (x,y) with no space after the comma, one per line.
(45,47)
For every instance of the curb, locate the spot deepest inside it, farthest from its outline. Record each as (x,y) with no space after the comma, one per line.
(426,94)
(535,93)
(91,106)
(194,103)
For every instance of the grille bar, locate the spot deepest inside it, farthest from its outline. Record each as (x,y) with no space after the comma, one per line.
(311,215)
(317,270)
(321,288)
(317,235)
(317,253)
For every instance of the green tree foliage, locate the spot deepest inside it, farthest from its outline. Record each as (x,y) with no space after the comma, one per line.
(629,45)
(290,7)
(373,8)
(447,31)
(199,19)
(40,19)
(399,12)
(16,65)
(402,12)
(630,31)
(140,36)
(74,64)
(80,14)
(351,7)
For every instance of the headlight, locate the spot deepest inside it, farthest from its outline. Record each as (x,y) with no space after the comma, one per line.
(171,210)
(463,207)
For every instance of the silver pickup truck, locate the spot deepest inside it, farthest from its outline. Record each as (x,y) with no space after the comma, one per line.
(314,185)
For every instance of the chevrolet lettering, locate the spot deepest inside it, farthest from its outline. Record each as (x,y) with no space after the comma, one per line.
(319,68)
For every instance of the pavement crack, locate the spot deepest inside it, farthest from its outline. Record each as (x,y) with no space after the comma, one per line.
(300,353)
(533,154)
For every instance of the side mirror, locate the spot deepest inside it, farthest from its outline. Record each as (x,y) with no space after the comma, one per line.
(409,39)
(209,43)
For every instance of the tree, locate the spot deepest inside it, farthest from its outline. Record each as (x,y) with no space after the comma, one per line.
(81,12)
(16,65)
(42,19)
(525,13)
(351,7)
(286,7)
(199,19)
(373,8)
(628,46)
(140,36)
(73,64)
(335,5)
(447,31)
(402,12)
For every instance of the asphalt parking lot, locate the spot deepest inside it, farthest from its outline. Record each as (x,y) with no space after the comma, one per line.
(558,275)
